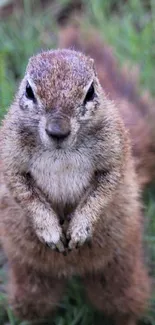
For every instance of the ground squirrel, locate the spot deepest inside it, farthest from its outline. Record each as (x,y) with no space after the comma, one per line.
(70,200)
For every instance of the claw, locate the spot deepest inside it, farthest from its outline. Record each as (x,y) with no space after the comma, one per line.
(81,243)
(76,245)
(51,245)
(63,239)
(60,246)
(68,236)
(72,245)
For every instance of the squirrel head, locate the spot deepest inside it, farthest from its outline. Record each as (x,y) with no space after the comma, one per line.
(60,97)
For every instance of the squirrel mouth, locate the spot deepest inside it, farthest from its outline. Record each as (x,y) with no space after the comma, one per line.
(59,144)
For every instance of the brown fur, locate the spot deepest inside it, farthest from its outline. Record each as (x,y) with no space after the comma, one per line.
(79,196)
(136,110)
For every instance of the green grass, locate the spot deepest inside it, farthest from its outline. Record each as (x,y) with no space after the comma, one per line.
(130,28)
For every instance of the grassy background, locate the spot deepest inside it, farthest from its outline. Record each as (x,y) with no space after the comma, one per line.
(130,27)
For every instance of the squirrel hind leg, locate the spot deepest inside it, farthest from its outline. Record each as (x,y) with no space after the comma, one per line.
(120,293)
(33,296)
(125,320)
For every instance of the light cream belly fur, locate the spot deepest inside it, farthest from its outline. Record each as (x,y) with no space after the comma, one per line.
(63,178)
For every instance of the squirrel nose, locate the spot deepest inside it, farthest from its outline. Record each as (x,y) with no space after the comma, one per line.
(58,129)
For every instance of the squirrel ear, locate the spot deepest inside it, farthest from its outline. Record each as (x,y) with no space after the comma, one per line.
(92,63)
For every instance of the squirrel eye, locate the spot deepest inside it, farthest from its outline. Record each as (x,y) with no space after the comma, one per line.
(29,92)
(90,94)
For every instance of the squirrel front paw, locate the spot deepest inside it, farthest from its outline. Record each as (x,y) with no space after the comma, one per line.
(52,236)
(79,232)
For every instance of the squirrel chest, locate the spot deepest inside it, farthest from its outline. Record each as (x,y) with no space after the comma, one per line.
(64,178)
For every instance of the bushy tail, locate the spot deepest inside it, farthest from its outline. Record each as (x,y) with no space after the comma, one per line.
(138,111)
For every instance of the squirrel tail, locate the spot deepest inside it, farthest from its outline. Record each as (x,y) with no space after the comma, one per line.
(121,85)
